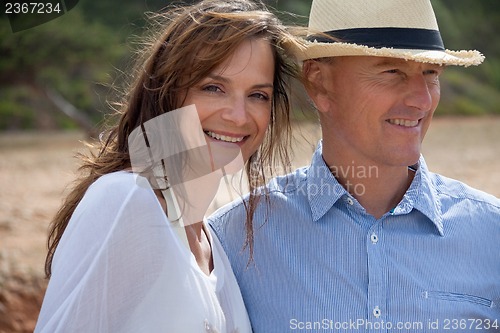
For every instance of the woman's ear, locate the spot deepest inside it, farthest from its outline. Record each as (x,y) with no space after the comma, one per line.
(314,83)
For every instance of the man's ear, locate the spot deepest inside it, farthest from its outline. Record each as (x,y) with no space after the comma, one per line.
(313,72)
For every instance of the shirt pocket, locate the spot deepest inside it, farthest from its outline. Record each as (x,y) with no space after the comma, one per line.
(456,297)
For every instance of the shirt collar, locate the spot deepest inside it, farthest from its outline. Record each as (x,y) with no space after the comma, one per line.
(422,196)
(323,191)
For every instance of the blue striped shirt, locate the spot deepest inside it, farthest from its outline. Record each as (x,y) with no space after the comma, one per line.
(322,264)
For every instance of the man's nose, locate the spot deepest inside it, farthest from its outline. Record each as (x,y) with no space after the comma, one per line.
(419,93)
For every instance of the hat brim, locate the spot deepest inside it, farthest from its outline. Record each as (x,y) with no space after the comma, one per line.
(313,50)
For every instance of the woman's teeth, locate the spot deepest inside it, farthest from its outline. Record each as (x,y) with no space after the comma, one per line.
(224,137)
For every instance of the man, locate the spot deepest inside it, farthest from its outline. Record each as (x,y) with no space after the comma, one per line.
(367,239)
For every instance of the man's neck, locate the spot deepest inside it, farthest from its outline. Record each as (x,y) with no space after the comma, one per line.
(377,188)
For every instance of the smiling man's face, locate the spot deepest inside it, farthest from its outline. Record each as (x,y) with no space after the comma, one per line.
(378,109)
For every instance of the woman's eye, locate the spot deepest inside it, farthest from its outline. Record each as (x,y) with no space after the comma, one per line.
(261,96)
(212,88)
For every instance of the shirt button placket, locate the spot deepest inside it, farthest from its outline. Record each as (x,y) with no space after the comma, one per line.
(376,273)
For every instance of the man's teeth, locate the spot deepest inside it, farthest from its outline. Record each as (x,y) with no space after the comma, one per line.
(224,137)
(404,122)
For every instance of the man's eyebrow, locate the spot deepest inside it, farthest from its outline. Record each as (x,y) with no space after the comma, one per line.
(390,62)
(228,80)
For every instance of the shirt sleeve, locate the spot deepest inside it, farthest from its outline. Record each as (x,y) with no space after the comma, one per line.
(103,269)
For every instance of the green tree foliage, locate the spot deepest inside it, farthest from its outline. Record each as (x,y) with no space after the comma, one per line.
(68,54)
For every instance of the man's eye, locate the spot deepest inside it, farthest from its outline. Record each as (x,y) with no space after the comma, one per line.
(392,71)
(431,72)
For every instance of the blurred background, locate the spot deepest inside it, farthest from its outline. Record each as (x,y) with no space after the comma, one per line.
(57,80)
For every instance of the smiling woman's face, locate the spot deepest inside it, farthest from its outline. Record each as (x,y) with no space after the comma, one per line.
(234,101)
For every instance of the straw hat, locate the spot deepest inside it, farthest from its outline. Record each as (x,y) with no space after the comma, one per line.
(404,29)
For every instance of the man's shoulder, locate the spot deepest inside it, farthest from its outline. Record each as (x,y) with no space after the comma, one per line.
(278,188)
(452,189)
(287,186)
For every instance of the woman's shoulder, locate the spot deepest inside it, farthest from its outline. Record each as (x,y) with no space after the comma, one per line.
(117,179)
(119,184)
(113,190)
(119,198)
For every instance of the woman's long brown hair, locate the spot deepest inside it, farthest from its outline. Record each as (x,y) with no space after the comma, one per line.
(187,44)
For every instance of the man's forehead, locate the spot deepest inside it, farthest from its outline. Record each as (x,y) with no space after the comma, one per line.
(388,62)
(377,63)
(372,60)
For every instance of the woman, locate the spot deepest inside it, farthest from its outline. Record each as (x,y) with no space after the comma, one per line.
(115,262)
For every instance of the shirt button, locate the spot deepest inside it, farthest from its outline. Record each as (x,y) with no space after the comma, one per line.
(377,312)
(208,327)
(374,238)
(350,201)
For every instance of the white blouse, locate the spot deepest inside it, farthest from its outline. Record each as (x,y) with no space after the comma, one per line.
(120,267)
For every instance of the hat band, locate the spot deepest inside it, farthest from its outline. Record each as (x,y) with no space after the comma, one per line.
(400,38)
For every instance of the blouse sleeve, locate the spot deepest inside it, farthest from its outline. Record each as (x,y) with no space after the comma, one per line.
(108,260)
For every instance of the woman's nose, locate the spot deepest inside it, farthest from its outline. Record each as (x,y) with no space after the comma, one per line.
(235,111)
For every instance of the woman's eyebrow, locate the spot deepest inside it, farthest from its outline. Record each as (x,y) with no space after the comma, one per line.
(219,78)
(226,79)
